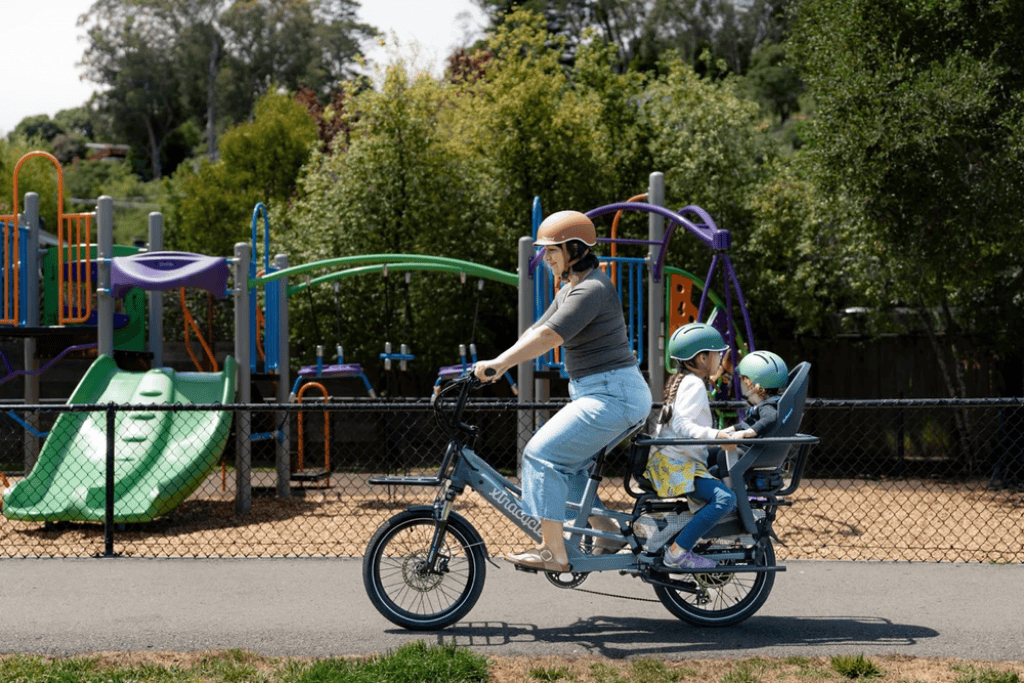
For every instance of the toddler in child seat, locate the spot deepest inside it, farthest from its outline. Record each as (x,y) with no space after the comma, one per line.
(681,470)
(763,377)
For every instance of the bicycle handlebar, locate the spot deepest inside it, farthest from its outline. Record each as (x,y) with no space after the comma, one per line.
(464,384)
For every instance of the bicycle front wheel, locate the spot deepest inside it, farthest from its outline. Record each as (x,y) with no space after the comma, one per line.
(405,589)
(720,598)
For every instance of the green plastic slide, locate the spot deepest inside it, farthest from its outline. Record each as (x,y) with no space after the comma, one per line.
(160,457)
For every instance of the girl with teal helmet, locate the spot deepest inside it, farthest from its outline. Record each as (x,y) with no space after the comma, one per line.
(682,470)
(691,339)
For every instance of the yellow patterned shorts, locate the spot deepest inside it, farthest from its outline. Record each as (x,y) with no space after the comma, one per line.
(672,478)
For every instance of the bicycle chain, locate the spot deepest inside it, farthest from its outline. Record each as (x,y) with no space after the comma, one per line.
(613,595)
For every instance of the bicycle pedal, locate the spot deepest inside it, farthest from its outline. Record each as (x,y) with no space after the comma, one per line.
(523,568)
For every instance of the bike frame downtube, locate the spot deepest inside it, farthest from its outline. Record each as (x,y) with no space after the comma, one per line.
(475,473)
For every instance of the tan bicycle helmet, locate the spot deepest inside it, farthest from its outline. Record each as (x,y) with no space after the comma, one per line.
(565,226)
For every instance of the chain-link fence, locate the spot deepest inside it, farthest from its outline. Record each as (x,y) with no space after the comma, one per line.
(937,480)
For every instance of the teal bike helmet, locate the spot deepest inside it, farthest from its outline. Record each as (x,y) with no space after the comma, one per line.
(764,368)
(694,338)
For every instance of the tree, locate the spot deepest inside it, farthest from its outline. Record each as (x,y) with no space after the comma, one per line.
(313,44)
(396,184)
(704,139)
(918,123)
(38,127)
(166,62)
(569,136)
(642,32)
(36,175)
(260,162)
(132,53)
(773,81)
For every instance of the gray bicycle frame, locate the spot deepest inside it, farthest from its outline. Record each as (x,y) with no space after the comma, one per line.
(473,472)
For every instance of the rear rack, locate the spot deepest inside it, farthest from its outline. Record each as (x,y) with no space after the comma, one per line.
(405,481)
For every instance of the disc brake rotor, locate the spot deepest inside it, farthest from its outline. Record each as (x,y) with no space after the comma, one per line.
(418,576)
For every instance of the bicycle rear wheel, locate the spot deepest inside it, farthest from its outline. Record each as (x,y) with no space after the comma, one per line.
(405,589)
(722,599)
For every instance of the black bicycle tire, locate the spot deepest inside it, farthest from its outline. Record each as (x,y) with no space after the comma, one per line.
(472,547)
(675,602)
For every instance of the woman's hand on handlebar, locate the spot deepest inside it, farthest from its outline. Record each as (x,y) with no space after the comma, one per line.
(487,370)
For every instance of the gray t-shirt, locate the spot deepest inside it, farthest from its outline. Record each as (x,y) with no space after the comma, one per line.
(589,318)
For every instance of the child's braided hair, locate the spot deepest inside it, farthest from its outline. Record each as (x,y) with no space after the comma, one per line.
(670,392)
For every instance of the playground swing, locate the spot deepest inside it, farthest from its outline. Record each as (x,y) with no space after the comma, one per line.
(341,369)
(305,381)
(301,473)
(449,372)
(404,354)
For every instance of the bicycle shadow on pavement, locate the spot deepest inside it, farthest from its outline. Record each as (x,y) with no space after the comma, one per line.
(618,638)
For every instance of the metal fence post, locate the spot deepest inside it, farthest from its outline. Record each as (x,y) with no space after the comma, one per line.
(243,428)
(108,517)
(31,308)
(283,384)
(656,291)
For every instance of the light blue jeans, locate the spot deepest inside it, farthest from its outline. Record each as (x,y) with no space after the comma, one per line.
(720,501)
(555,460)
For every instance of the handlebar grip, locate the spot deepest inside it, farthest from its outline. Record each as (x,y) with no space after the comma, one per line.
(490,372)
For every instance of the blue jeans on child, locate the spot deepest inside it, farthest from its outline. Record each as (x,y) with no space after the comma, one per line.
(555,460)
(720,501)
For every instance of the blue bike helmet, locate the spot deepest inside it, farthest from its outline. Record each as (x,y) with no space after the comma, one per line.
(764,368)
(694,338)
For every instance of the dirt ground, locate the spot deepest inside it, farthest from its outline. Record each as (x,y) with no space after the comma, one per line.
(904,520)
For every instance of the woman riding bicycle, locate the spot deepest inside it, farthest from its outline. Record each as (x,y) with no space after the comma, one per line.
(609,395)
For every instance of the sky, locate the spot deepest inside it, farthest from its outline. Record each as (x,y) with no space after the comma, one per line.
(42,44)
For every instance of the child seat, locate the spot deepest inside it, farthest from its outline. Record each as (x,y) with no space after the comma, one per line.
(762,466)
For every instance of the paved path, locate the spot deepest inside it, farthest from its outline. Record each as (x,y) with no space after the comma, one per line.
(317,607)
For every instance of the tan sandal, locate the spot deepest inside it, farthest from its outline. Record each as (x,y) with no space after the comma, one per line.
(538,558)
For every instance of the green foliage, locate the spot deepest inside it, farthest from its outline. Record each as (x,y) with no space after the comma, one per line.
(855,666)
(396,188)
(804,261)
(972,674)
(703,138)
(772,81)
(410,663)
(134,199)
(452,170)
(165,64)
(917,138)
(36,174)
(641,33)
(536,132)
(260,162)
